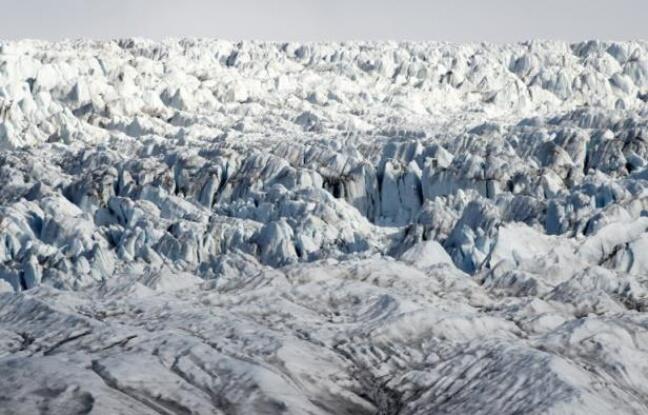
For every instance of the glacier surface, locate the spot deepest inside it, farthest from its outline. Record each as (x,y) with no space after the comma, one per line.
(213,227)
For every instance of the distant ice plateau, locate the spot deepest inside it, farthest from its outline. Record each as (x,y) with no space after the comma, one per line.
(213,227)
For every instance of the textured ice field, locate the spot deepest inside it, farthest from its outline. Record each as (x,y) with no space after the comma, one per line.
(208,227)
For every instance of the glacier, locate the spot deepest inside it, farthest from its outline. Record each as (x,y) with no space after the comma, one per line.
(211,227)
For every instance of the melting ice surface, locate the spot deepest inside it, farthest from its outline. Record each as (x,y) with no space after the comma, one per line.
(207,227)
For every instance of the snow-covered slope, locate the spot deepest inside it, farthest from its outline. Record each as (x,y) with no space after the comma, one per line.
(205,227)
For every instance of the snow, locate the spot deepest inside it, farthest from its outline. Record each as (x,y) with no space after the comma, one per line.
(202,226)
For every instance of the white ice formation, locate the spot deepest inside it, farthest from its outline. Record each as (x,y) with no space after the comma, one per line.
(209,227)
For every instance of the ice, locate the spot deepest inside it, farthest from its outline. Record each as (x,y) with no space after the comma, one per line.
(203,226)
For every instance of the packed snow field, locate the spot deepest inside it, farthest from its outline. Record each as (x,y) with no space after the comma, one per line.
(211,227)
